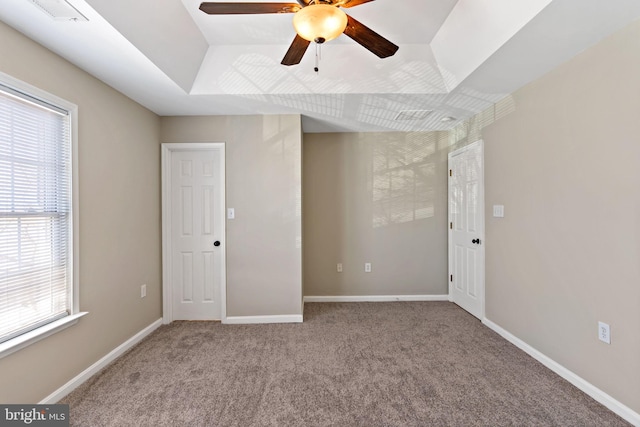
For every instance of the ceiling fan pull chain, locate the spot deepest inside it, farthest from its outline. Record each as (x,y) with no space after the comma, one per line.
(318,57)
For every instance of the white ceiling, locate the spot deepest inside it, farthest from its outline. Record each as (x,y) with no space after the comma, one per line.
(456,57)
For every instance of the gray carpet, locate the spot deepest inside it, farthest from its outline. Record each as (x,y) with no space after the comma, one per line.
(348,364)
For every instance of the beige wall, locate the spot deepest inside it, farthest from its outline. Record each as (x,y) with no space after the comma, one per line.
(566,166)
(263,185)
(378,198)
(119,216)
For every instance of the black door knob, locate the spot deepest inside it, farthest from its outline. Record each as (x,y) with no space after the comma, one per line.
(476,241)
(216,243)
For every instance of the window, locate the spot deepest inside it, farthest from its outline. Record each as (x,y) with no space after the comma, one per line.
(37,293)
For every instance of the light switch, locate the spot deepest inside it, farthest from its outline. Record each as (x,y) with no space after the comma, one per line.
(231,213)
(498,211)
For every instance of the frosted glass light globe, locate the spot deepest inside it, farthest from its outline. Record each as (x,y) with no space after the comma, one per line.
(319,22)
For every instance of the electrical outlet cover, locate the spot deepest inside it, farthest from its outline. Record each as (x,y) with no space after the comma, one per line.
(604,332)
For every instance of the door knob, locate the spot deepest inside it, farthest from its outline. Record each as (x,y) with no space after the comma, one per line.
(216,243)
(476,241)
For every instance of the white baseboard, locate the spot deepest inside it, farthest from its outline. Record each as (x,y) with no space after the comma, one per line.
(247,320)
(93,369)
(376,298)
(600,396)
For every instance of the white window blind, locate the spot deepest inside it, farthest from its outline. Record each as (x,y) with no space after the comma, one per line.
(35,213)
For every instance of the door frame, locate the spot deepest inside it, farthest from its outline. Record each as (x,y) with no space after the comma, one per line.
(167,149)
(452,154)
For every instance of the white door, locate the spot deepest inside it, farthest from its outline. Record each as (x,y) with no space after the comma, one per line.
(197,247)
(466,228)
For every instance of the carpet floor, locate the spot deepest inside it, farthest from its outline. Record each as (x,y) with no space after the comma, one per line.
(348,364)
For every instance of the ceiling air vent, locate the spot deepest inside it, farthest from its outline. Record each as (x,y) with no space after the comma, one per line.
(59,10)
(413,114)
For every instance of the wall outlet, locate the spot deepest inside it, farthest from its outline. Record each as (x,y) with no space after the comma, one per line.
(339,268)
(604,332)
(143,291)
(367,267)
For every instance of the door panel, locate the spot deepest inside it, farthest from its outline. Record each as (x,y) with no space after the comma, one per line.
(471,205)
(471,274)
(185,211)
(208,273)
(207,217)
(186,285)
(459,273)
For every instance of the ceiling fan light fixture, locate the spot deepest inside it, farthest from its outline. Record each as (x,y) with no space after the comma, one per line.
(319,22)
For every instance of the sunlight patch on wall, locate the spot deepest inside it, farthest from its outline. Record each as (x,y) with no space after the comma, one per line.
(403,177)
(284,148)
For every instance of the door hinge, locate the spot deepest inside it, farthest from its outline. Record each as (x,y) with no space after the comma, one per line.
(451,277)
(450,172)
(450,226)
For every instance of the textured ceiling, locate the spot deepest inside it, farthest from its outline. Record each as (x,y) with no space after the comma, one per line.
(455,58)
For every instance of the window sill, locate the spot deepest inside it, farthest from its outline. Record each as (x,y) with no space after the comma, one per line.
(24,340)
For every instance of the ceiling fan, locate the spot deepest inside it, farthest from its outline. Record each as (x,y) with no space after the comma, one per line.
(314,20)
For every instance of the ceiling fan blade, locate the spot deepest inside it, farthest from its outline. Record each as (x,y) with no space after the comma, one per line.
(351,3)
(248,8)
(296,51)
(368,38)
